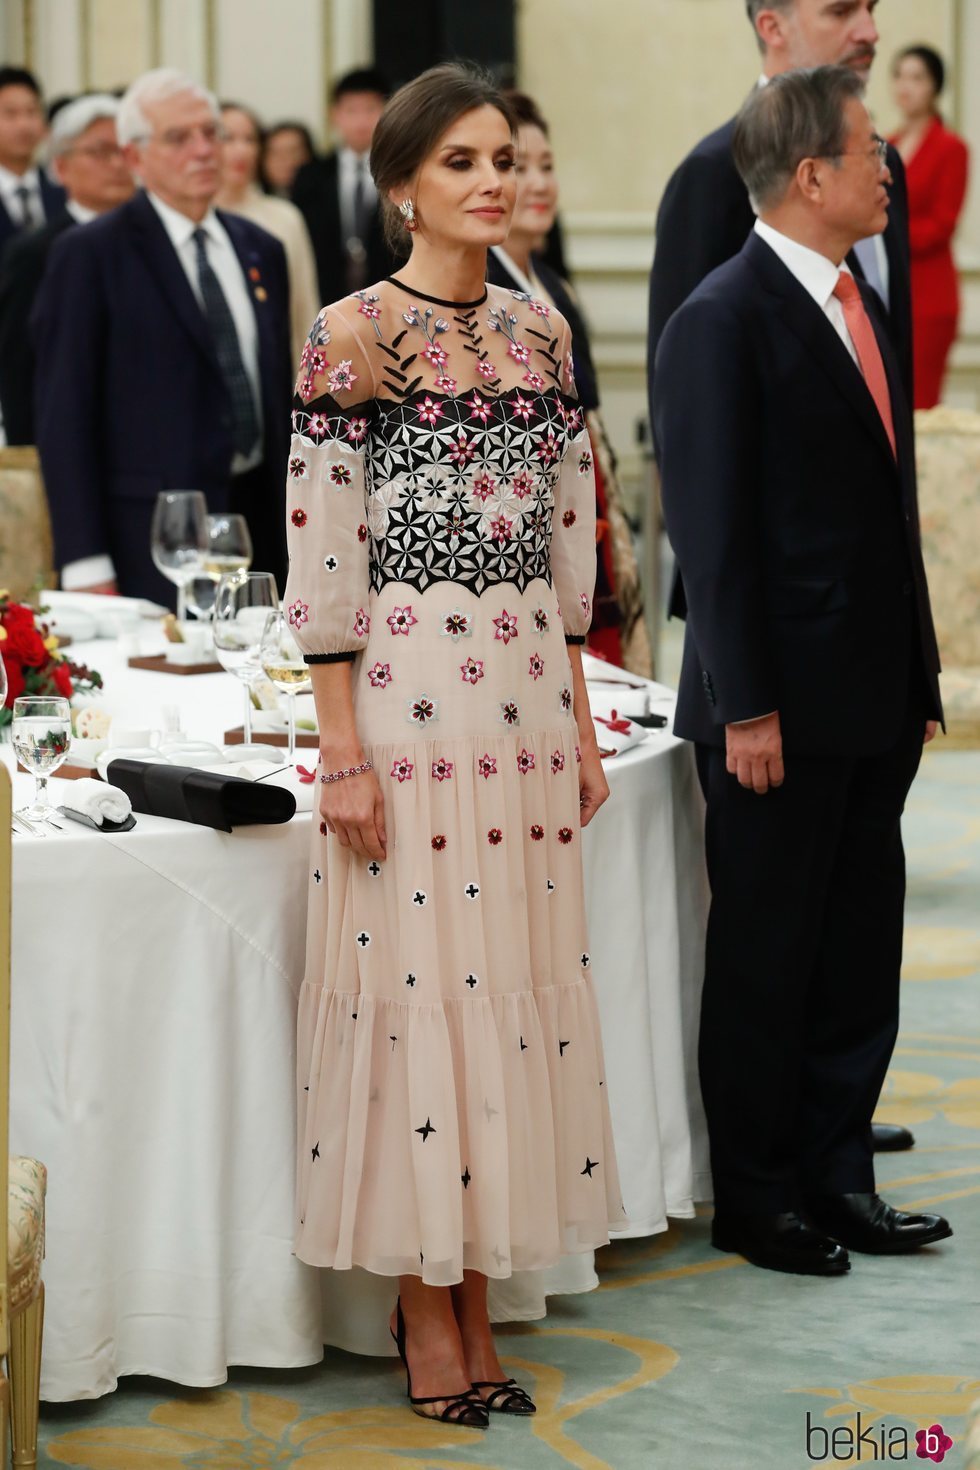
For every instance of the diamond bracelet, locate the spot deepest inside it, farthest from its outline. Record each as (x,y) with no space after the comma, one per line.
(326,776)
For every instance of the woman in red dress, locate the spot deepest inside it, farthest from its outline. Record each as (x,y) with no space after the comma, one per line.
(936,165)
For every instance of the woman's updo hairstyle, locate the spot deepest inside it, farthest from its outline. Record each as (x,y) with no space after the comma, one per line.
(411,125)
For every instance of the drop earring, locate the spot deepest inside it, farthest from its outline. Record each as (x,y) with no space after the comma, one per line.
(407,211)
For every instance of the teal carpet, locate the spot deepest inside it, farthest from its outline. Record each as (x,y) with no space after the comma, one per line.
(684,1357)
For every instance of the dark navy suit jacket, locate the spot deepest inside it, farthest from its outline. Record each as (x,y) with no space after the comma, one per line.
(129,396)
(795,526)
(53,199)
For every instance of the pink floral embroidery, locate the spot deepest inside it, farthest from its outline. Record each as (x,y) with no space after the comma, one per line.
(402,620)
(456,625)
(297,468)
(487,766)
(525,762)
(568,519)
(557,762)
(362,623)
(541,620)
(484,485)
(523,408)
(462,451)
(500,528)
(298,517)
(578,755)
(569,370)
(539,308)
(584,463)
(317,427)
(446,385)
(430,412)
(341,378)
(518,351)
(549,449)
(537,832)
(574,420)
(565,835)
(534,380)
(586,604)
(536,666)
(495,837)
(369,306)
(522,484)
(439,843)
(298,613)
(423,710)
(510,712)
(506,626)
(472,670)
(565,698)
(486,369)
(340,474)
(362,533)
(402,769)
(442,770)
(380,676)
(478,408)
(436,354)
(356,430)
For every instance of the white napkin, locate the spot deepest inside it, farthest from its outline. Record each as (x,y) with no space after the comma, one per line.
(96,800)
(618,740)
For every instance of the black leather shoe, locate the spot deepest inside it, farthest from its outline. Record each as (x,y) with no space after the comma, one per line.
(864,1222)
(891,1138)
(783,1242)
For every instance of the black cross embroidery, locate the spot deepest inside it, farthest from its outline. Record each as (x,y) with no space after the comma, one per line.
(374,869)
(551,886)
(410,978)
(466,1177)
(472,890)
(392,1039)
(331,563)
(426,1130)
(561,1047)
(585,962)
(490,1112)
(318,875)
(523,1044)
(418,897)
(590,1164)
(498,1257)
(472,981)
(363,939)
(316,1149)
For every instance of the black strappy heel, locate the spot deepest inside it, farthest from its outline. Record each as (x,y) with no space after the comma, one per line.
(466,1409)
(514,1399)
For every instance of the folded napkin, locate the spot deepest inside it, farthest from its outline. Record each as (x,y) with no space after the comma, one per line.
(616,733)
(209,798)
(97,801)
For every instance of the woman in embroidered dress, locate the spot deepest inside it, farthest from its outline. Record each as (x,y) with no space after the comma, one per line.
(453,1122)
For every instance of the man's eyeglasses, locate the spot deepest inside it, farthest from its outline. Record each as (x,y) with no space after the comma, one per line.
(177,139)
(879,153)
(101,152)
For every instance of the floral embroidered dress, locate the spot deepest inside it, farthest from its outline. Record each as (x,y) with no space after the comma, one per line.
(452,1104)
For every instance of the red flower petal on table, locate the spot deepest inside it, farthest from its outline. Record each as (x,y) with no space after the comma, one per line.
(307,778)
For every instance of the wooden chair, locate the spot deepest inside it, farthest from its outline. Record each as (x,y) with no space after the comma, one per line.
(21,1222)
(26,553)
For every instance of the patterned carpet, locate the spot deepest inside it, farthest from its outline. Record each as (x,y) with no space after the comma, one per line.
(684,1357)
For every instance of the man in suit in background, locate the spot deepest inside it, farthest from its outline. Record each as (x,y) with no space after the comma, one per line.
(161,334)
(705,217)
(27,197)
(86,157)
(336,194)
(810,678)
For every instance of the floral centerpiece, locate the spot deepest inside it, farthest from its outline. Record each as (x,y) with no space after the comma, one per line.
(33,660)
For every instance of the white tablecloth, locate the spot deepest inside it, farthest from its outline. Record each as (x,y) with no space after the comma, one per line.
(154,991)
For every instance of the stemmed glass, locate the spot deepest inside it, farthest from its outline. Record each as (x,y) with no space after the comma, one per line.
(229,551)
(242,605)
(179,540)
(41,736)
(283,663)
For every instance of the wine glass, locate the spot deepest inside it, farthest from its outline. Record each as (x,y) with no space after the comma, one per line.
(283,663)
(41,736)
(179,539)
(3,683)
(230,550)
(242,605)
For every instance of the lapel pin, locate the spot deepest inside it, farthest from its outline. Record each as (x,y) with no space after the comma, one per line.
(261,294)
(254,274)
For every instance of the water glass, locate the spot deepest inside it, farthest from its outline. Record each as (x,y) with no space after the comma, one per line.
(42,738)
(229,551)
(242,605)
(179,539)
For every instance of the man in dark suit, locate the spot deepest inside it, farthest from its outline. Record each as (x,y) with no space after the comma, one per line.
(88,161)
(336,194)
(809,682)
(27,197)
(161,334)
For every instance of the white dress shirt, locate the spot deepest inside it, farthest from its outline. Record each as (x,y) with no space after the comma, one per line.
(10,183)
(80,213)
(93,570)
(348,163)
(816,274)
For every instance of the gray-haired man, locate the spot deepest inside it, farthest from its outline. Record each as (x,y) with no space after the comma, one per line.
(87,161)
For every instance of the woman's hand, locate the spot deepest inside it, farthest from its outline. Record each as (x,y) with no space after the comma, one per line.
(354,810)
(593,788)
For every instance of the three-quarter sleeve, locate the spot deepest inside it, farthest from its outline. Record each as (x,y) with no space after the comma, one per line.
(573,549)
(327,589)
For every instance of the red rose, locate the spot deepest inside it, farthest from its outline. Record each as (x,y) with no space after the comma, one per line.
(62,680)
(23,642)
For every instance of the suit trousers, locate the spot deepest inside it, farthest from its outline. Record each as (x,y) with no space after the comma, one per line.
(804,947)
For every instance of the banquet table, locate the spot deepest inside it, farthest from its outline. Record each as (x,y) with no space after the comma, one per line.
(155,984)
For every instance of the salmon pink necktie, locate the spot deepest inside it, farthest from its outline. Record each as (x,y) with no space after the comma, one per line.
(866,346)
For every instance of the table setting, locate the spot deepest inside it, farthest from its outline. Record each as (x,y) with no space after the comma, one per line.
(169,1243)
